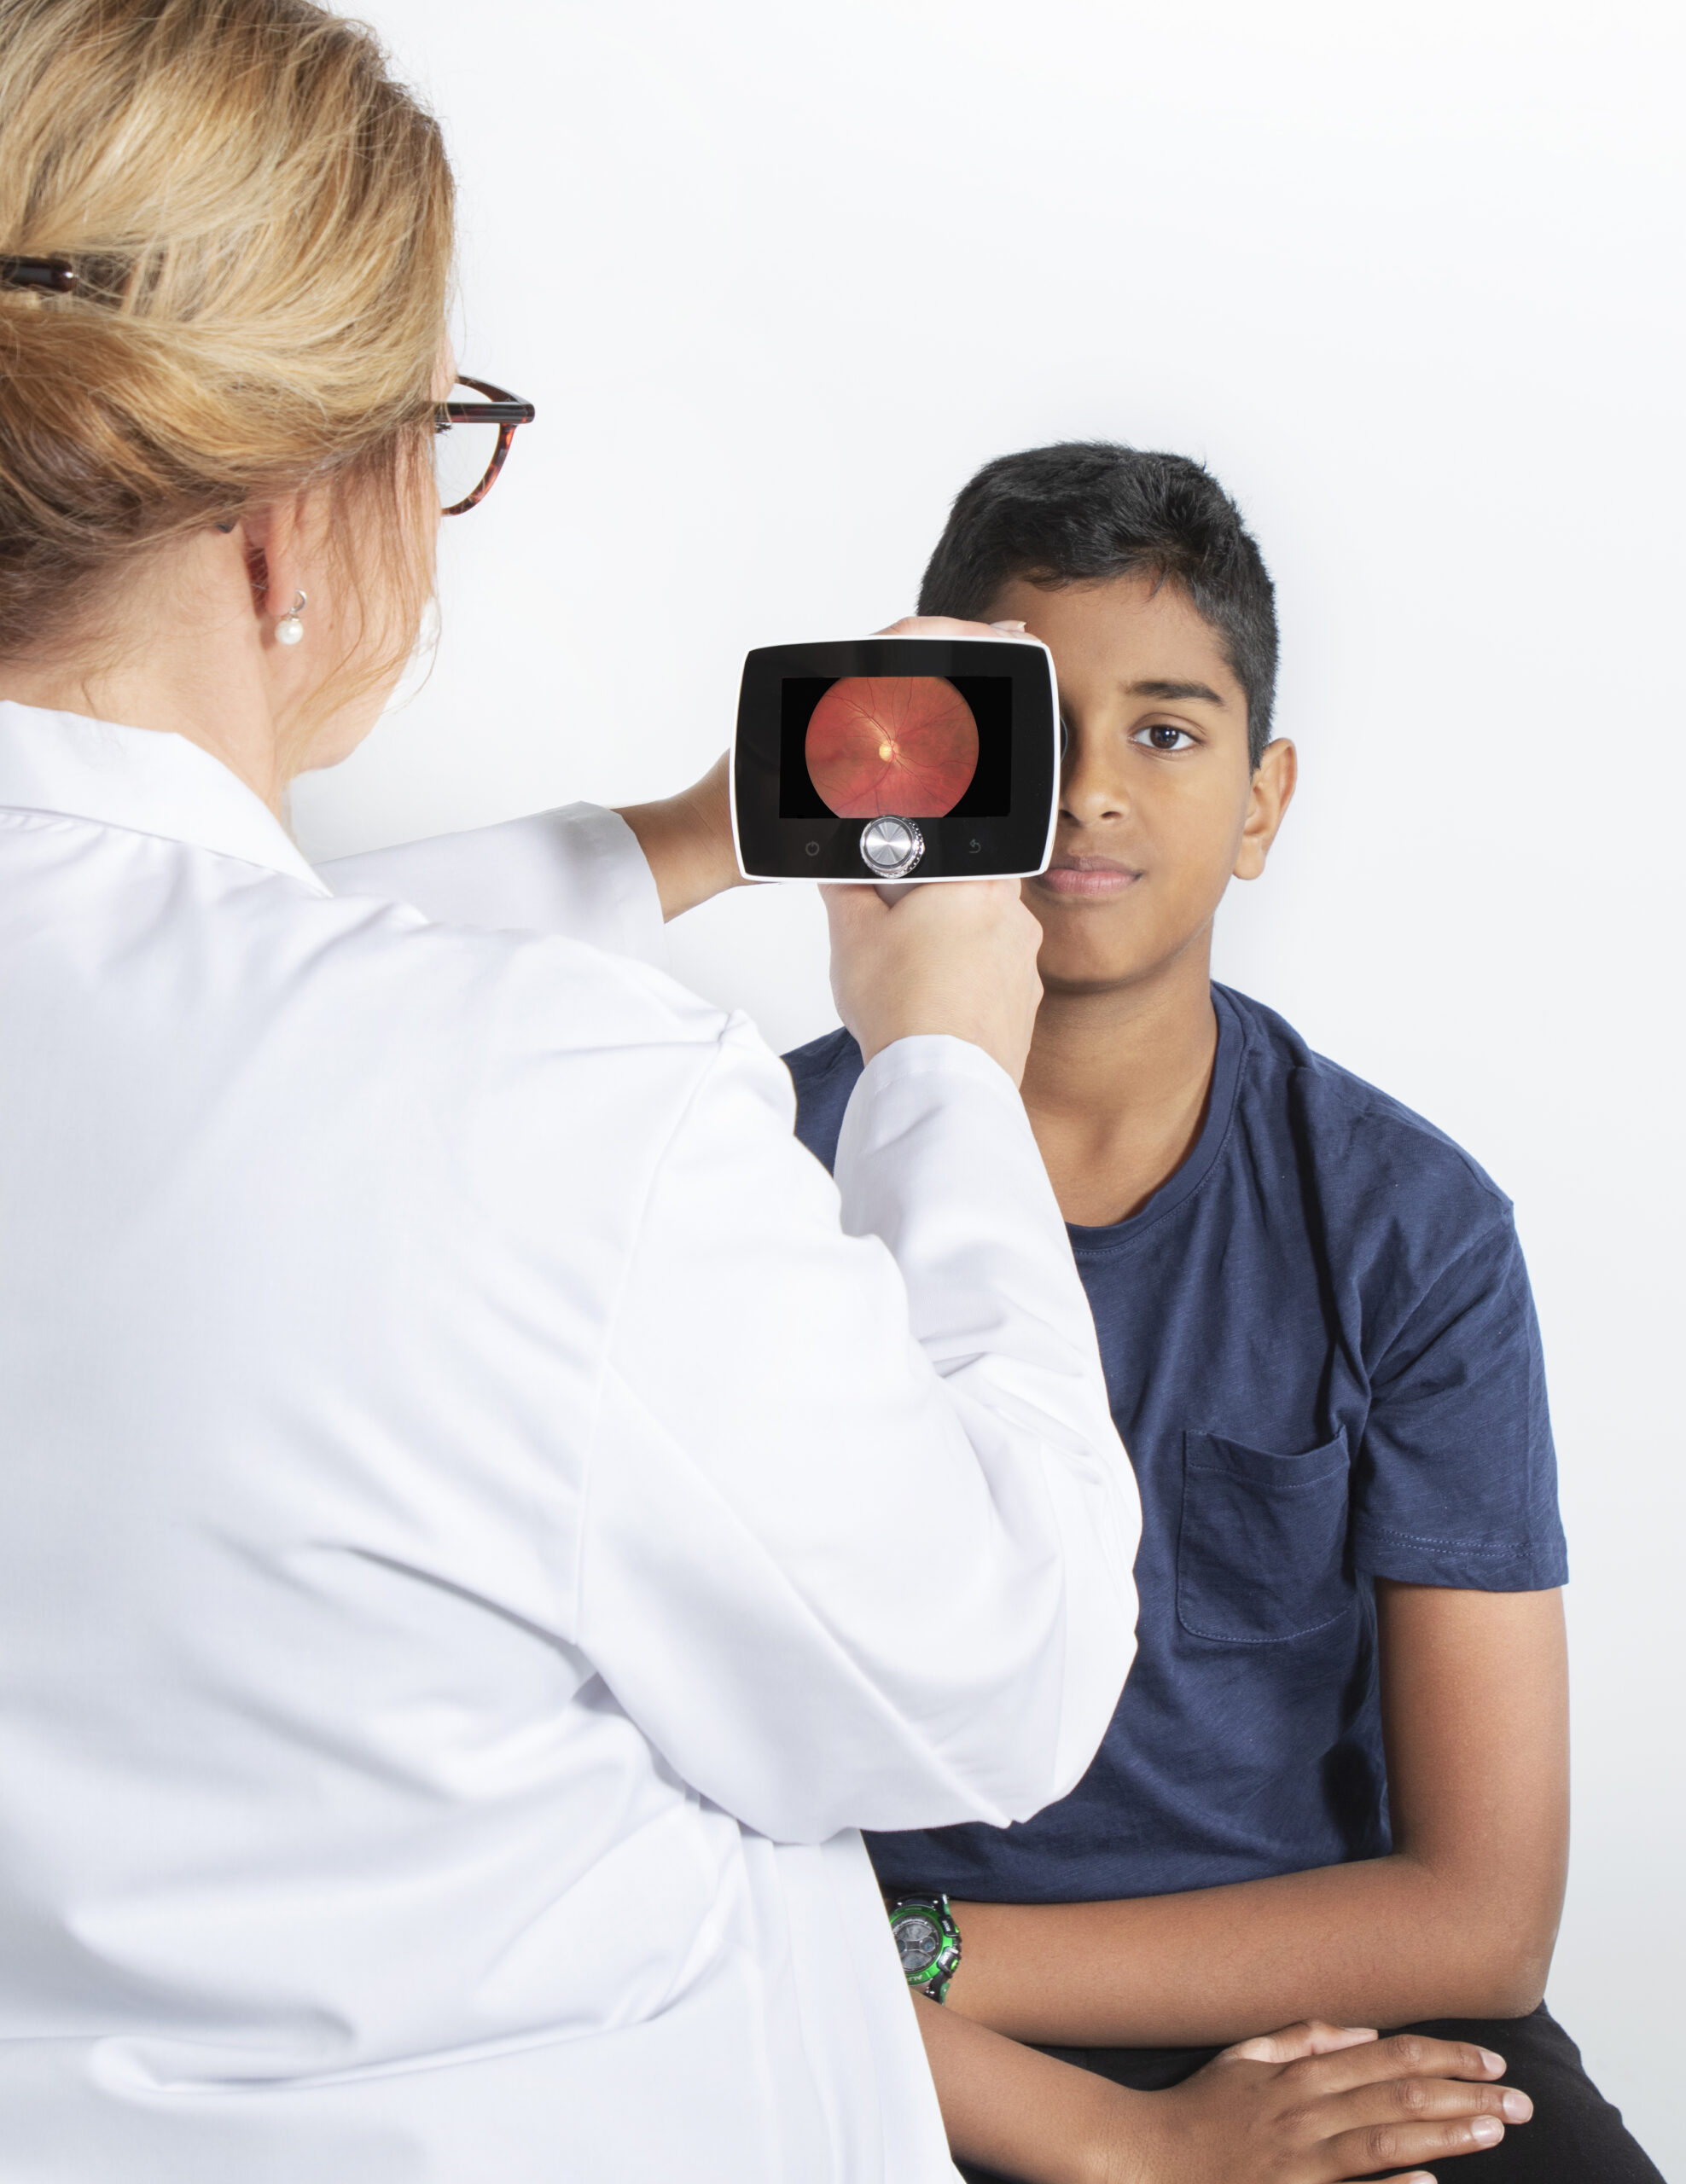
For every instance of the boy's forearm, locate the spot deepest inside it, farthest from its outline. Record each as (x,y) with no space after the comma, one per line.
(1014,2110)
(1385,1942)
(1460,1922)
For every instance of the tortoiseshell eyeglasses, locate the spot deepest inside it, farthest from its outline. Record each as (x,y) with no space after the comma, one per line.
(471,441)
(471,437)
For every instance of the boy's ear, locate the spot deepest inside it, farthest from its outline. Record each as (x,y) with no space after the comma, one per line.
(1269,795)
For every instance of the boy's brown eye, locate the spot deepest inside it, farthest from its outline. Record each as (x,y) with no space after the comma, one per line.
(1162,736)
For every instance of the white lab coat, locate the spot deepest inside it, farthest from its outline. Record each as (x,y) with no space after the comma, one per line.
(486,1518)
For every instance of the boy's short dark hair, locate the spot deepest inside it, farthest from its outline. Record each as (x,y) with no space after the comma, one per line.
(1084,510)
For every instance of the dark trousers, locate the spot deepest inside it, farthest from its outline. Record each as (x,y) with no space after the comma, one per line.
(1575,2136)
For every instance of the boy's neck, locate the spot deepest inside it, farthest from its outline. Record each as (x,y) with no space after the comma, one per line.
(1117,1082)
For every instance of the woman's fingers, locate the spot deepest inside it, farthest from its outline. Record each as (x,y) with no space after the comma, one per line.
(1406,2055)
(946,626)
(1311,2037)
(959,958)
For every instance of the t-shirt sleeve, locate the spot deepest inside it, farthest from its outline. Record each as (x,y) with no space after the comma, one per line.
(1455,1482)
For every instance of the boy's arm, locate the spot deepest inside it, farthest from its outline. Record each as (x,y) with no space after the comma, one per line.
(1459,1921)
(1303,2106)
(1020,2113)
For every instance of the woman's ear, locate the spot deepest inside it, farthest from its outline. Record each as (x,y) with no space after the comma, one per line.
(270,540)
(1270,794)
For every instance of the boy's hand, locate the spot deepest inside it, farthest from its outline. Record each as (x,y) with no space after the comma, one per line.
(1316,2104)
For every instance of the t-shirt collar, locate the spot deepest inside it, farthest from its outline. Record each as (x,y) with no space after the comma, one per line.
(149,781)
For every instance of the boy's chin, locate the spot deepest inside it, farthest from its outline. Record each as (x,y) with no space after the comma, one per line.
(1075,972)
(1099,947)
(1087,943)
(1091,955)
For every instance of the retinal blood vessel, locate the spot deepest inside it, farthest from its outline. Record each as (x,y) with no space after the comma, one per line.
(902,744)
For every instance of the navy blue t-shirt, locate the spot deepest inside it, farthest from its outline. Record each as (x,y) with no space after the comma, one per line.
(1322,1358)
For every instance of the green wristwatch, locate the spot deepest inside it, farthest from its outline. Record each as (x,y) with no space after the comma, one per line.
(928,1941)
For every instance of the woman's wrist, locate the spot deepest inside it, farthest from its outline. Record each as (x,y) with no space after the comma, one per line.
(687,842)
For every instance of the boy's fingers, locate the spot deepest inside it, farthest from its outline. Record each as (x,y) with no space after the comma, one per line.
(1398,2102)
(1385,2145)
(1406,2055)
(1311,2037)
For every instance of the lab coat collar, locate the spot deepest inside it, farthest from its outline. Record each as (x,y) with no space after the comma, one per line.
(147,780)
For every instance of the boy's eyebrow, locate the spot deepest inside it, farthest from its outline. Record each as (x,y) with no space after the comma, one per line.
(1172,690)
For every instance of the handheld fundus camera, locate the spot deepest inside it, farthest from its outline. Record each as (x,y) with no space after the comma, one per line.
(896,758)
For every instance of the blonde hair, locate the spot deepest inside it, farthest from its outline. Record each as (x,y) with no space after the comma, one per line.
(260,223)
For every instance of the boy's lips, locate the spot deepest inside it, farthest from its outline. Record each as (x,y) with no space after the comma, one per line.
(1088,877)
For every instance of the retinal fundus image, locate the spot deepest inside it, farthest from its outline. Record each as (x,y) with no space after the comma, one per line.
(901,744)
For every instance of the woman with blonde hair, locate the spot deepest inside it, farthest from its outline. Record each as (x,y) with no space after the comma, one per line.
(445,1410)
(486,1519)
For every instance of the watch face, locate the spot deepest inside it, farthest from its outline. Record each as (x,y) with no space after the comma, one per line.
(918,1939)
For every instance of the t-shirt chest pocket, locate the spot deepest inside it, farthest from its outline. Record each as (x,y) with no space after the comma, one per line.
(1261,1555)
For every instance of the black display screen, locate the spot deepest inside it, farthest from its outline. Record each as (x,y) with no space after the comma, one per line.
(921,747)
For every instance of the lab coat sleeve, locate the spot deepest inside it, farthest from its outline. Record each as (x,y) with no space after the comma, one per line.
(578,872)
(858,1528)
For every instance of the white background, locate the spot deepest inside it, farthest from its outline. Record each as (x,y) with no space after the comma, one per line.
(779,276)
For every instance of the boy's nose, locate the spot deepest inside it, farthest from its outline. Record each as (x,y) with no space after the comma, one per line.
(1088,793)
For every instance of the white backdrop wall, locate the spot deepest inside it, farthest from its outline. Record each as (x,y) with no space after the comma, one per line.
(779,276)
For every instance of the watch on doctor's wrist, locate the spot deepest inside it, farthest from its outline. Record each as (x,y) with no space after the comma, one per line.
(927,1942)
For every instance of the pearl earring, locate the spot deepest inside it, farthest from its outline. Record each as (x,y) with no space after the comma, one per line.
(289,629)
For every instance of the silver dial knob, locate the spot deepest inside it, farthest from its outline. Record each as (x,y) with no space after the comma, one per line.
(891,847)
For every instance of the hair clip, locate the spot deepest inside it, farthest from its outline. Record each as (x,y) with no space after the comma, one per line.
(57,273)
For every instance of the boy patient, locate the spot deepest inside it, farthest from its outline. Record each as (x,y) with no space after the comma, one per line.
(1336,1785)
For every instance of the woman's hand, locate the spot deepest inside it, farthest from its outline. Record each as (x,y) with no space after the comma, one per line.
(686,839)
(687,842)
(945,625)
(959,958)
(1316,2104)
